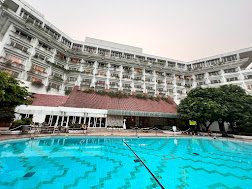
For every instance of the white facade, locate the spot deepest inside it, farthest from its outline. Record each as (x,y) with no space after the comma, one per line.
(49,61)
(64,116)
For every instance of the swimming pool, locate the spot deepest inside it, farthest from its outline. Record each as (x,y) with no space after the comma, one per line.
(82,162)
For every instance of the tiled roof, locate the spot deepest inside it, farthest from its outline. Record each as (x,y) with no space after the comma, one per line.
(80,99)
(49,100)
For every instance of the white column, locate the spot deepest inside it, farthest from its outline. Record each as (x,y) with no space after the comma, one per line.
(62,120)
(106,122)
(100,122)
(67,121)
(95,121)
(56,123)
(85,118)
(89,119)
(124,123)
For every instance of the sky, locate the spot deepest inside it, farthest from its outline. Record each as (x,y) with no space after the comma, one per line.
(178,29)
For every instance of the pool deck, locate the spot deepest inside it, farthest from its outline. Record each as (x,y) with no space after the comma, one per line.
(117,133)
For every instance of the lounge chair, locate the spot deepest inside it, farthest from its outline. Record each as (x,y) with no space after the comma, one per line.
(25,129)
(146,129)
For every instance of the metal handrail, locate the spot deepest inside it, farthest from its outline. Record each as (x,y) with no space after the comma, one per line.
(16,128)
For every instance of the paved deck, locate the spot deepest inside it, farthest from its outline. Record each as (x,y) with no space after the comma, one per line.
(113,133)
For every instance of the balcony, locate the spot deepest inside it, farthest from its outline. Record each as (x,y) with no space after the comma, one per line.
(12,62)
(127,71)
(160,76)
(148,75)
(88,71)
(151,60)
(36,82)
(138,73)
(138,91)
(75,61)
(188,85)
(199,78)
(169,82)
(19,49)
(60,61)
(10,72)
(232,70)
(126,77)
(103,52)
(149,81)
(160,82)
(114,76)
(22,36)
(57,78)
(214,76)
(89,49)
(232,79)
(141,58)
(138,78)
(100,86)
(151,92)
(171,64)
(102,68)
(39,57)
(247,77)
(116,54)
(113,69)
(161,62)
(201,83)
(126,87)
(113,86)
(215,81)
(76,49)
(85,84)
(38,72)
(88,65)
(101,74)
(128,56)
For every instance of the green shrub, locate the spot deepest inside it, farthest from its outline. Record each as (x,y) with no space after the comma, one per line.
(112,94)
(101,92)
(142,96)
(67,92)
(24,121)
(88,91)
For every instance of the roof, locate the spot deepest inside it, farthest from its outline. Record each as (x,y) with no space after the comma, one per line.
(49,100)
(80,99)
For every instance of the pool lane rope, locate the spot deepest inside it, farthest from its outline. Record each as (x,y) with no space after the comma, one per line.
(140,160)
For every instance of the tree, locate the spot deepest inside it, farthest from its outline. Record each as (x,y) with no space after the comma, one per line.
(228,103)
(244,122)
(233,100)
(200,106)
(11,95)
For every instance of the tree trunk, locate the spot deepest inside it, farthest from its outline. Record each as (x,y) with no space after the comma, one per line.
(207,126)
(221,126)
(232,126)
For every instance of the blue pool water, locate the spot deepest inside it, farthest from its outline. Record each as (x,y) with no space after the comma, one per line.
(180,163)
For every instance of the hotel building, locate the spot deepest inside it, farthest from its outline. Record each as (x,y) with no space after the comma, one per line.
(49,62)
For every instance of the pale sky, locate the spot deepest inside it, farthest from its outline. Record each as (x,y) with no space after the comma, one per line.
(179,29)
